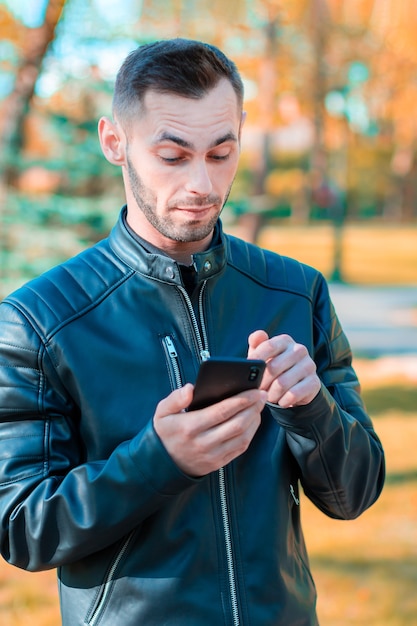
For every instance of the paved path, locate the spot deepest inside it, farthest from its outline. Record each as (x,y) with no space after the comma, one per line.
(378,320)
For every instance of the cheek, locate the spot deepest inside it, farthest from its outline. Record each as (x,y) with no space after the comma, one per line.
(225,176)
(156,180)
(164,185)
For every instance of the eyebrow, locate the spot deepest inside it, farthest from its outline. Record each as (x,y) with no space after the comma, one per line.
(166,136)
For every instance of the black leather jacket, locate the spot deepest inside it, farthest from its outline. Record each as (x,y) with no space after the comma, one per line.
(87,351)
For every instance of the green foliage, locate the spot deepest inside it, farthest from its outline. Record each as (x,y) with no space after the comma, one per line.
(40,232)
(380,400)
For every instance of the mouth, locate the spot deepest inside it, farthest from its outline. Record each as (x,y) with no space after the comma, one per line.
(196,211)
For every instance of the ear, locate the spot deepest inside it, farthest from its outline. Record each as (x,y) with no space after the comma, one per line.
(112,141)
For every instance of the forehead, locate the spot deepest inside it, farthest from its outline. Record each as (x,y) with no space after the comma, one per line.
(217,113)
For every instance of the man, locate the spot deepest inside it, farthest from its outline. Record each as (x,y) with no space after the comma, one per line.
(154,514)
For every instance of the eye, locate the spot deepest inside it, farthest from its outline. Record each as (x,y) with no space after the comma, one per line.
(222,156)
(171,160)
(170,156)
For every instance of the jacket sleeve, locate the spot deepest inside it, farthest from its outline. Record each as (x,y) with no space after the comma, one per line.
(341,460)
(54,506)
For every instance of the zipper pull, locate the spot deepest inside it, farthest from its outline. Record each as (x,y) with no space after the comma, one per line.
(296,500)
(204,355)
(170,346)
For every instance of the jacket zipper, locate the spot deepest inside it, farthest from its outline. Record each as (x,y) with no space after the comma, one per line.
(204,354)
(229,550)
(105,587)
(202,340)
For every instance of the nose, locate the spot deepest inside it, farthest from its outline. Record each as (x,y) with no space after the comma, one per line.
(199,181)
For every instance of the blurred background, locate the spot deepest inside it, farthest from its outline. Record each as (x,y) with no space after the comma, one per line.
(328,175)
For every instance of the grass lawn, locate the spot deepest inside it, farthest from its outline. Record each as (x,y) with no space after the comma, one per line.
(372,253)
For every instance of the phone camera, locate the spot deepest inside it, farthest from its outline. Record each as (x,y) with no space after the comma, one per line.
(253,373)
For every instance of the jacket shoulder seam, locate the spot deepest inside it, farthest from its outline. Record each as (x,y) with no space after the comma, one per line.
(260,265)
(54,280)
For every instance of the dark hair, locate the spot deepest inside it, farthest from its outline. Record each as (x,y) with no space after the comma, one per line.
(180,66)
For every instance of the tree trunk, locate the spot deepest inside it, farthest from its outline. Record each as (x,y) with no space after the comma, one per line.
(320,23)
(250,223)
(15,107)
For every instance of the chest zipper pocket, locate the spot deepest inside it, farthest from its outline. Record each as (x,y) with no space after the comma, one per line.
(172,362)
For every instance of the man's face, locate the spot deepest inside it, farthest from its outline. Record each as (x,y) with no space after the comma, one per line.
(181,159)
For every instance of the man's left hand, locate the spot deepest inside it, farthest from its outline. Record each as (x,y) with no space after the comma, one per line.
(290,377)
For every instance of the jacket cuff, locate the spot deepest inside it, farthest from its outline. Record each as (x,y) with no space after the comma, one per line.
(299,419)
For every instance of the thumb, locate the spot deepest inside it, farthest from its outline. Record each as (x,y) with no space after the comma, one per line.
(255,339)
(176,402)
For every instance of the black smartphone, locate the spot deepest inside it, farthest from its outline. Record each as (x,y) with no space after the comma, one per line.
(219,378)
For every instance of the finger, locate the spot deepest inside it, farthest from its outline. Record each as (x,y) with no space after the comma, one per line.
(240,438)
(176,402)
(292,360)
(300,394)
(276,352)
(298,379)
(244,422)
(271,348)
(233,436)
(255,339)
(287,370)
(220,412)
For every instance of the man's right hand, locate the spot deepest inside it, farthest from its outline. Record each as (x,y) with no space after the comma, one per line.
(202,441)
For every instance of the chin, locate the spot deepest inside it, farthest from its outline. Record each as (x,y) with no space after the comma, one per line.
(196,234)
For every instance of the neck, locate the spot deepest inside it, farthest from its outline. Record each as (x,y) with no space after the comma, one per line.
(182,252)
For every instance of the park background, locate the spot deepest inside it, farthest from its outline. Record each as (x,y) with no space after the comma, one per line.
(328,175)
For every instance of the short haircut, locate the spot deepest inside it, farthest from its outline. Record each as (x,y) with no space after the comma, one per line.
(183,67)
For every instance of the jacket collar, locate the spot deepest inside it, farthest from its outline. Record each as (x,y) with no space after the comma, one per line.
(160,266)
